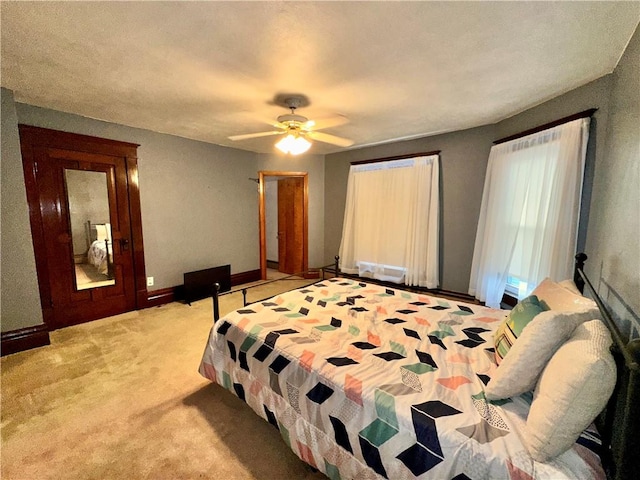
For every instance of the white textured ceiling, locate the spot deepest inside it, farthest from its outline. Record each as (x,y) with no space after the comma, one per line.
(208,70)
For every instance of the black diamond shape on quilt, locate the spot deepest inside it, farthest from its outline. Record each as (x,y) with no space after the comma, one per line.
(388,291)
(464,308)
(281,309)
(335,322)
(439,307)
(222,329)
(419,304)
(271,339)
(352,300)
(269,304)
(279,363)
(343,304)
(286,331)
(262,353)
(341,361)
(474,333)
(411,333)
(462,476)
(406,311)
(245,311)
(322,303)
(232,350)
(483,378)
(308,298)
(418,459)
(395,320)
(239,389)
(320,393)
(389,356)
(271,418)
(436,341)
(341,434)
(363,285)
(344,283)
(426,358)
(306,290)
(303,311)
(469,343)
(359,309)
(436,409)
(242,357)
(363,345)
(372,457)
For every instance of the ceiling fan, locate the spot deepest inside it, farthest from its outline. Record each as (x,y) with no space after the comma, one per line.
(299,129)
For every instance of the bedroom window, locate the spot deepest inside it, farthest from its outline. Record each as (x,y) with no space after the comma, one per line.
(528,222)
(390,229)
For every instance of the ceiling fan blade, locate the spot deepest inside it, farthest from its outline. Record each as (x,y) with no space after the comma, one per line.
(246,136)
(326,122)
(332,139)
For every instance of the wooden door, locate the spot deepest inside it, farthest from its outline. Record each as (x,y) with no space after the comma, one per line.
(52,161)
(291,225)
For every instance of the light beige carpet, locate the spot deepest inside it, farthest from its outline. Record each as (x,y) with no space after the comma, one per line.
(121,398)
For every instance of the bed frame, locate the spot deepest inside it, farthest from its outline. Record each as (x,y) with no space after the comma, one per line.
(90,228)
(618,424)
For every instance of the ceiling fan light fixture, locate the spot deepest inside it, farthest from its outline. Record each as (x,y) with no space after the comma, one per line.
(293,144)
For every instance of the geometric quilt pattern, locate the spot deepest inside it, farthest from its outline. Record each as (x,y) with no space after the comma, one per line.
(367,382)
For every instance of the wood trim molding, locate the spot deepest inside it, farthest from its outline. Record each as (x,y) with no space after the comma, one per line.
(546,126)
(245,277)
(24,339)
(156,298)
(397,157)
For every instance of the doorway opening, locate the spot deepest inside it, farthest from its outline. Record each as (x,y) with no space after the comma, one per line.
(292,223)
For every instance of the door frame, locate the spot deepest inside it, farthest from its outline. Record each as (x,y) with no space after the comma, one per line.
(31,136)
(262,220)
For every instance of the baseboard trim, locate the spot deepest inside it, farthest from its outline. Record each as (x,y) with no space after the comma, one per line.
(245,277)
(24,339)
(160,297)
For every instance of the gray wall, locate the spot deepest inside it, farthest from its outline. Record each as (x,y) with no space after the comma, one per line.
(613,238)
(20,298)
(463,162)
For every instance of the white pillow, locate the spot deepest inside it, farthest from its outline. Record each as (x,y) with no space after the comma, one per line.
(561,298)
(527,357)
(572,390)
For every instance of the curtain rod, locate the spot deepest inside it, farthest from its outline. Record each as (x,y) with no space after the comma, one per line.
(570,118)
(398,157)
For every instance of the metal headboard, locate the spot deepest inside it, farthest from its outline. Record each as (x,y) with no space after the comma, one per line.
(619,423)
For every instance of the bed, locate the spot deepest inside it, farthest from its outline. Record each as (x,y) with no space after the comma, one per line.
(365,381)
(99,252)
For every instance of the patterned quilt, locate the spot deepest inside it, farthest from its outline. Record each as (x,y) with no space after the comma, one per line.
(367,382)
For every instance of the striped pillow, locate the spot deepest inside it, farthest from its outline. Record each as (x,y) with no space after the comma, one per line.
(512,326)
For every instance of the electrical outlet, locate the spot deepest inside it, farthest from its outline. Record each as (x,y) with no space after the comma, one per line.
(149,281)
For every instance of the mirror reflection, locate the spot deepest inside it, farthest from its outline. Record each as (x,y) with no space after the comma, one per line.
(88,201)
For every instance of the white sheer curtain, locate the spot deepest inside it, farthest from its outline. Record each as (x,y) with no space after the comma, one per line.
(390,229)
(530,209)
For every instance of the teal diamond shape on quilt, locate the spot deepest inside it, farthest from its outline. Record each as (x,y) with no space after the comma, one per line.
(378,432)
(443,331)
(332,471)
(386,407)
(285,434)
(248,343)
(353,330)
(398,348)
(419,368)
(226,380)
(325,328)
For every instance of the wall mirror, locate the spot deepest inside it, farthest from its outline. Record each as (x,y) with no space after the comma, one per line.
(88,201)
